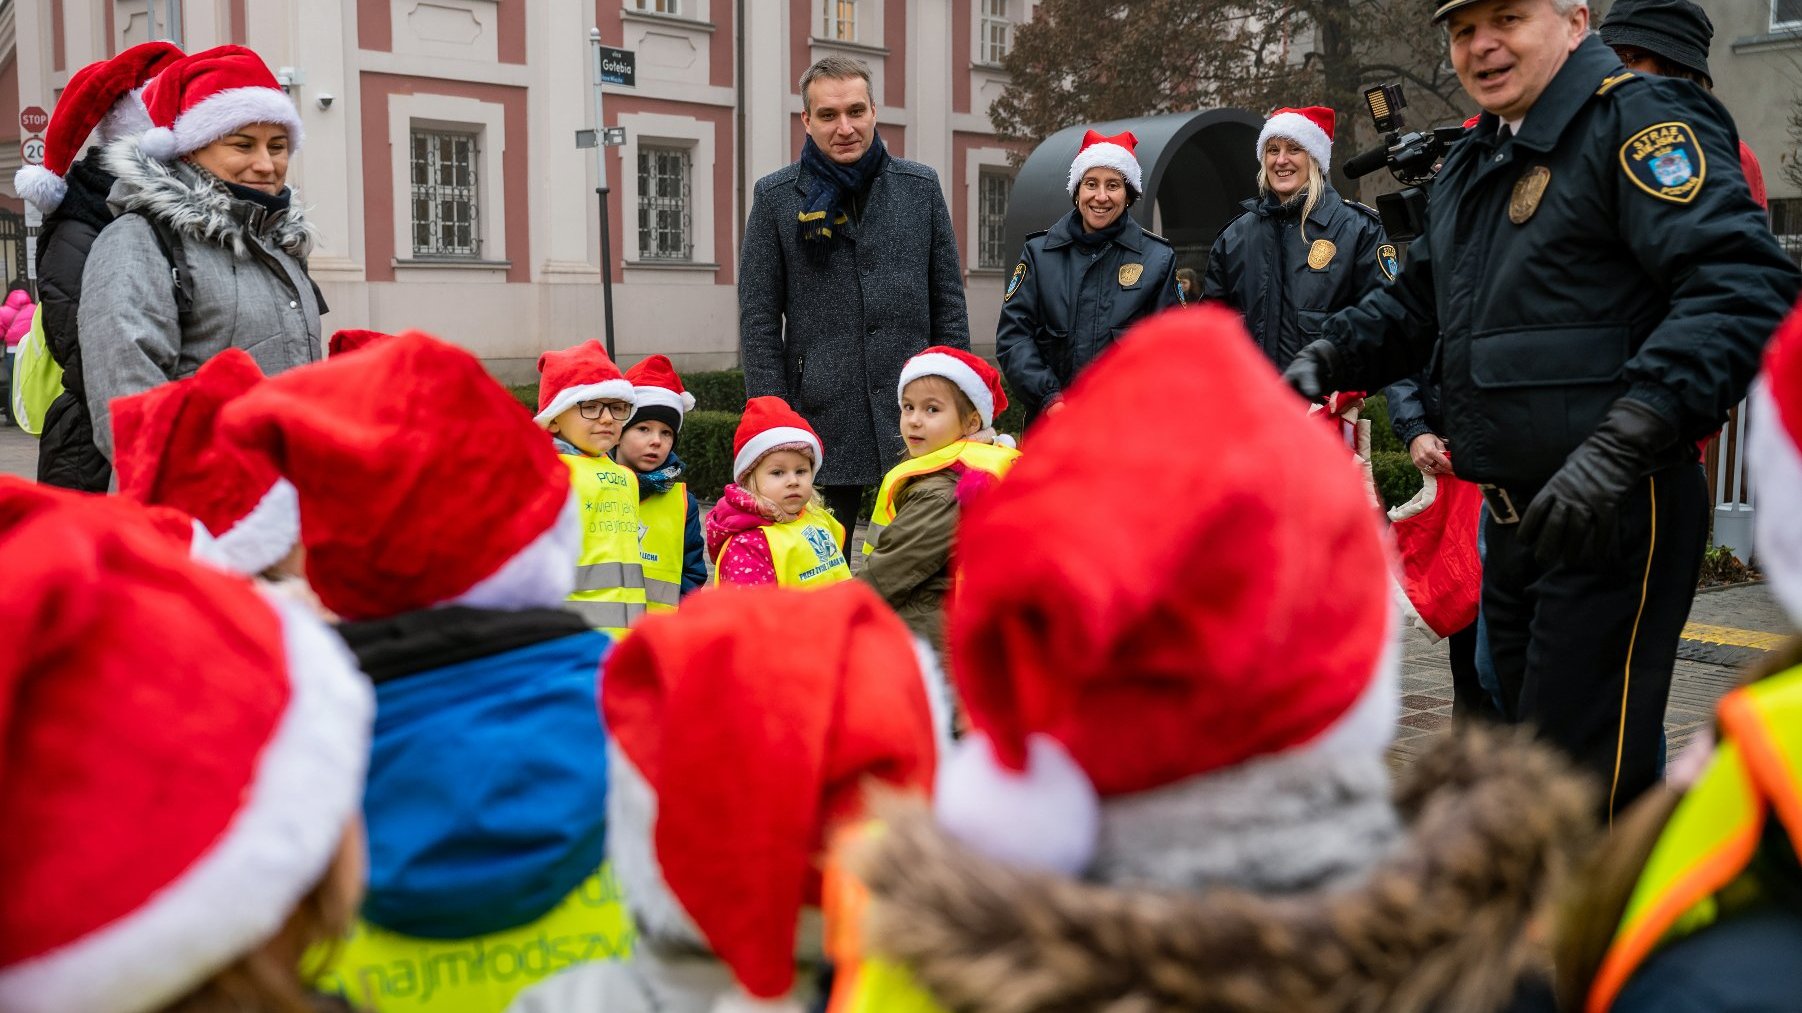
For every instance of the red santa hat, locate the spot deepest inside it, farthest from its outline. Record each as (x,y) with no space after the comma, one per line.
(571,376)
(168,450)
(183,755)
(726,785)
(351,339)
(1776,448)
(656,385)
(100,96)
(1256,623)
(1309,126)
(421,481)
(1099,152)
(200,98)
(979,381)
(768,425)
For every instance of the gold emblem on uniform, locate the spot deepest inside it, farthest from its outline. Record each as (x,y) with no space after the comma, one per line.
(1321,253)
(1129,274)
(1528,190)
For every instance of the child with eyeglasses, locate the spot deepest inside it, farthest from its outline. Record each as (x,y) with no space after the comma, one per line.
(584,401)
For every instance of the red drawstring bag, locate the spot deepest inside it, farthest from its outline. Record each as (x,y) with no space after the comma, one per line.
(1435,533)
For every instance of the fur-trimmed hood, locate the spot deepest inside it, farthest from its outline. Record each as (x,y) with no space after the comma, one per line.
(197,206)
(1452,919)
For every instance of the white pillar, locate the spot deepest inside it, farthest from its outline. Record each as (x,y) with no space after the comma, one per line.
(317,48)
(769,81)
(930,66)
(564,222)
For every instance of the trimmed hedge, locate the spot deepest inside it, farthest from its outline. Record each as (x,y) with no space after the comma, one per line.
(721,390)
(1397,479)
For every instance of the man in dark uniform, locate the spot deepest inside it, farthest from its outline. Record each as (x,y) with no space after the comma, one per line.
(1600,284)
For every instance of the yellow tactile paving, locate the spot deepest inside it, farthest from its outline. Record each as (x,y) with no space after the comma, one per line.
(1757,640)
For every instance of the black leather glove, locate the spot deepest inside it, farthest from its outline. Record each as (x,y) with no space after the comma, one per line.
(1572,518)
(1315,371)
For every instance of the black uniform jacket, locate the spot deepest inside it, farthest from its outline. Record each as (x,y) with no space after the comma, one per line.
(1264,265)
(1066,303)
(1611,249)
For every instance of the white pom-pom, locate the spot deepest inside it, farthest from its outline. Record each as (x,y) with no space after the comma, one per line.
(43,188)
(159,143)
(688,402)
(127,117)
(1046,818)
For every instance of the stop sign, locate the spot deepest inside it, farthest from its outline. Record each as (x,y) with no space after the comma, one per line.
(34,119)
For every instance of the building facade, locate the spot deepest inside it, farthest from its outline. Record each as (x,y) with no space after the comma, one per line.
(441,166)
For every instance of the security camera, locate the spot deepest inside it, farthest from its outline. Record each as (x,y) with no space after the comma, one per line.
(325,101)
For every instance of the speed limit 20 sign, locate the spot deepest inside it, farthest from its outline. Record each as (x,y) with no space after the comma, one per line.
(31,149)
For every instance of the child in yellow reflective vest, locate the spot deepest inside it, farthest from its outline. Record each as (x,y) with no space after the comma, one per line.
(669,518)
(949,400)
(770,526)
(583,399)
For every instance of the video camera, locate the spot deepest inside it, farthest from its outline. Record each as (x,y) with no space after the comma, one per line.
(1412,158)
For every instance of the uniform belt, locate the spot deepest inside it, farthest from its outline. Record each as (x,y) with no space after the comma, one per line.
(1504,508)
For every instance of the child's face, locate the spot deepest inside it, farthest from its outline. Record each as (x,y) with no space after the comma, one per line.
(929,416)
(786,478)
(646,445)
(593,437)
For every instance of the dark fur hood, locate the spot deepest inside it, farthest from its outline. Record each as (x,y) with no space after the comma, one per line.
(1452,919)
(196,206)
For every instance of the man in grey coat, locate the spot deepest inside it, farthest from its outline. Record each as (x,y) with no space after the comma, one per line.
(849,268)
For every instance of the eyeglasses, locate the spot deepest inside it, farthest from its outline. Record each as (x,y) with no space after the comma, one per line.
(621,410)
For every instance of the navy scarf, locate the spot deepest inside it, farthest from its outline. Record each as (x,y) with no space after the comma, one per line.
(822,206)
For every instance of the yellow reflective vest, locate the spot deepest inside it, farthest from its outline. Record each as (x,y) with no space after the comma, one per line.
(609,592)
(805,550)
(981,456)
(662,525)
(861,983)
(385,972)
(1713,834)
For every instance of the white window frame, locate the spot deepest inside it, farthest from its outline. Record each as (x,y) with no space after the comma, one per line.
(661,130)
(450,113)
(834,21)
(670,7)
(1001,254)
(987,19)
(685,152)
(435,134)
(1779,25)
(978,161)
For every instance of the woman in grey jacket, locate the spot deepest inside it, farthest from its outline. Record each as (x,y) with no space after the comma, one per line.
(208,251)
(1300,252)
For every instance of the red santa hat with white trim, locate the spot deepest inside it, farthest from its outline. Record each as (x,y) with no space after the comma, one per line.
(726,787)
(350,339)
(421,481)
(1309,126)
(183,756)
(979,381)
(659,390)
(101,96)
(769,425)
(570,376)
(168,450)
(1256,625)
(205,96)
(1101,152)
(1776,453)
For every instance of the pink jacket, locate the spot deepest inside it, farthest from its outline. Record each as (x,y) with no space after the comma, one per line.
(15,317)
(735,540)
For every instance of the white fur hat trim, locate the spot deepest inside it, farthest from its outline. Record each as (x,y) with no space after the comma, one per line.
(43,188)
(1045,818)
(262,537)
(1778,483)
(663,397)
(1103,155)
(220,114)
(1301,130)
(959,373)
(567,398)
(769,440)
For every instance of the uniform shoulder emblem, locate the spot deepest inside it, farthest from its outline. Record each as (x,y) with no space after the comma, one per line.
(1014,280)
(1666,160)
(1609,83)
(1365,208)
(1388,261)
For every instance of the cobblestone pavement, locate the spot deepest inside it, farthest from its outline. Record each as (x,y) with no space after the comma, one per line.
(1728,628)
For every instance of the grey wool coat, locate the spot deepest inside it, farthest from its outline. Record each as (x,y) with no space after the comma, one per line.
(247,280)
(830,334)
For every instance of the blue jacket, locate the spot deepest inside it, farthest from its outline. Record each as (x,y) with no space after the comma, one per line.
(694,546)
(487,794)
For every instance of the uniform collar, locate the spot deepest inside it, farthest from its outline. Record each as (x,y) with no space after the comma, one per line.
(1064,233)
(1265,205)
(1574,84)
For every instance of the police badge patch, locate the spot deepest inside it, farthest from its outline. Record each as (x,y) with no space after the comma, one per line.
(1129,274)
(1528,190)
(1013,283)
(1666,161)
(1321,253)
(1389,261)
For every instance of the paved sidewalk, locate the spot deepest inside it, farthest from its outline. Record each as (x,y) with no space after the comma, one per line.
(18,452)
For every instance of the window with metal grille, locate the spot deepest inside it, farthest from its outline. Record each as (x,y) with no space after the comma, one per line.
(997,31)
(664,219)
(444,195)
(1786,225)
(1786,14)
(841,20)
(992,190)
(660,6)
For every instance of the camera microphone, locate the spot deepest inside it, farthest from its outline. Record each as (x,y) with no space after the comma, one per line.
(1366,162)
